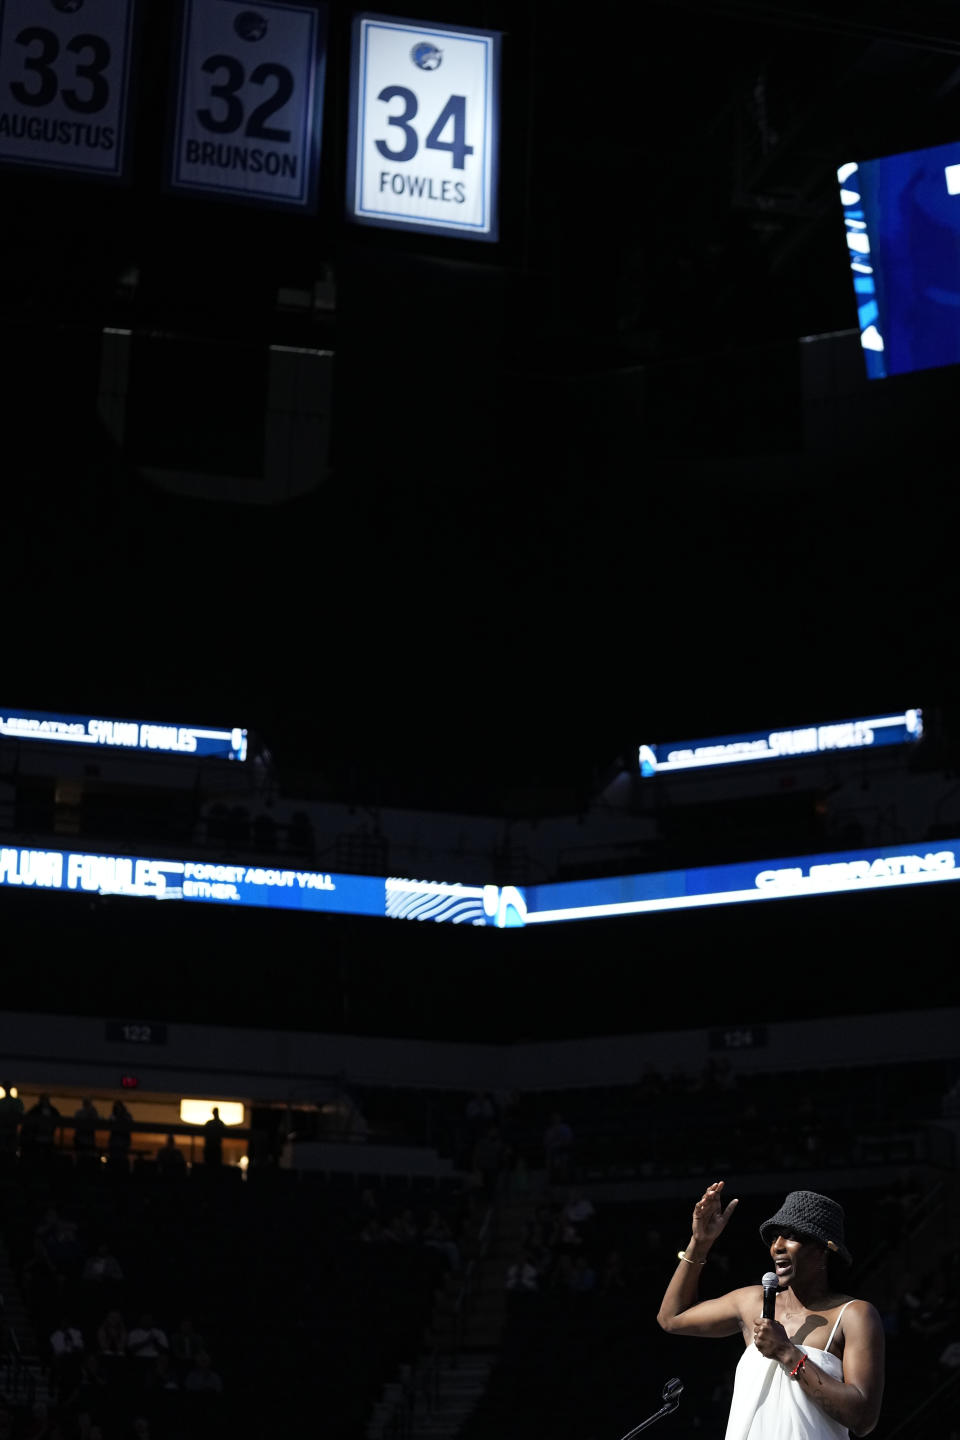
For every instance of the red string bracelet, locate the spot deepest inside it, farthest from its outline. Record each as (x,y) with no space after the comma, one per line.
(798,1367)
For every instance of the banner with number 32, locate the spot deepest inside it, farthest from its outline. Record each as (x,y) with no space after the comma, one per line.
(249,101)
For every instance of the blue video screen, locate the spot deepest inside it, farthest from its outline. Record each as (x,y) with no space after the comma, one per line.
(902,218)
(149,736)
(842,735)
(236,884)
(788,878)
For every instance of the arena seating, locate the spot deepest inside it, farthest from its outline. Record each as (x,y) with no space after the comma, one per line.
(302,1317)
(582,1365)
(308,1310)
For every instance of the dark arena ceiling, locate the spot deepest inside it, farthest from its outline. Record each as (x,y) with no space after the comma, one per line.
(541,532)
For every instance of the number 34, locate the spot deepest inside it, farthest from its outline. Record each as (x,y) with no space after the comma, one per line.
(453,113)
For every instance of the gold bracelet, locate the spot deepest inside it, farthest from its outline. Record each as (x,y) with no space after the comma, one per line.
(681,1256)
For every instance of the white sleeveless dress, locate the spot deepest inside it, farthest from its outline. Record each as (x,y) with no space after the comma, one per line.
(768,1405)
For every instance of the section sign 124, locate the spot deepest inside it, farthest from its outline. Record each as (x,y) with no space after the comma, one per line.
(424,127)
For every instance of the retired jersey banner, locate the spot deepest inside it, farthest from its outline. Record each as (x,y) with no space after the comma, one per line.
(424,127)
(249,102)
(64,84)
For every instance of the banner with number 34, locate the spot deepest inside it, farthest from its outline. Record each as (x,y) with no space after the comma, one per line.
(424,127)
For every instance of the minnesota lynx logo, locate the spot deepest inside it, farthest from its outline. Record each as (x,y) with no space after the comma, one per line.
(426,56)
(250,26)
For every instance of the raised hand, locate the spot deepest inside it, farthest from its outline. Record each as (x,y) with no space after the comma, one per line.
(709,1217)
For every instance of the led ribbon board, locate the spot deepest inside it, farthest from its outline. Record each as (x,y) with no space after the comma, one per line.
(902,218)
(237,884)
(249,102)
(781,744)
(64,85)
(846,871)
(424,127)
(123,734)
(501,907)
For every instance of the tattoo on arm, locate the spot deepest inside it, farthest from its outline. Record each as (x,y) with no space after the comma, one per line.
(829,1406)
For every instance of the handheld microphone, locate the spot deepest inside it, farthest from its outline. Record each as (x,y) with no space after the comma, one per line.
(771,1288)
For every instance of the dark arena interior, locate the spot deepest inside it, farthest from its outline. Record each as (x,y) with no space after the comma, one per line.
(412,421)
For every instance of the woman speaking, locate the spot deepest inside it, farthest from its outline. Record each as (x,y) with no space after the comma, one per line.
(815,1370)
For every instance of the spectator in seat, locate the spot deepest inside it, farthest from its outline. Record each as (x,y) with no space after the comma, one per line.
(437,1235)
(487,1159)
(39,1425)
(611,1275)
(566,1238)
(162,1392)
(480,1114)
(144,1343)
(11,1115)
(353,1124)
(60,1240)
(203,1379)
(39,1131)
(264,831)
(522,1275)
(213,1140)
(121,1133)
(103,1268)
(171,1161)
(561,1273)
(111,1341)
(67,1348)
(395,1231)
(369,1209)
(537,1244)
(558,1149)
(930,1313)
(651,1081)
(66,1339)
(85,1122)
(42,1285)
(583,1277)
(90,1395)
(407,1228)
(112,1336)
(165,1377)
(950,1356)
(300,834)
(186,1344)
(46,1228)
(949,1105)
(579,1211)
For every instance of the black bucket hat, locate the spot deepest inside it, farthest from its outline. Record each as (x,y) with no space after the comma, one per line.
(810,1214)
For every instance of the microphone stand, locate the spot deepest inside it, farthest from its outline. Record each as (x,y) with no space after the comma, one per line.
(672,1400)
